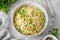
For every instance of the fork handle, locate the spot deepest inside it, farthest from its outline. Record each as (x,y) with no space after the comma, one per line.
(50,9)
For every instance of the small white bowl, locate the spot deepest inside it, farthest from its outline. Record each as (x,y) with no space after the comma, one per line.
(34,4)
(53,37)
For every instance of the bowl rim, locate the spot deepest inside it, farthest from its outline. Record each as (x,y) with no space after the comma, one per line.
(50,36)
(34,4)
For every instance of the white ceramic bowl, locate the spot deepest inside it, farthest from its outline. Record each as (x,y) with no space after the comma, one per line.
(54,38)
(34,4)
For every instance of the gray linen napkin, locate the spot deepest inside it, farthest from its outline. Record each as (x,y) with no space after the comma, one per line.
(5,34)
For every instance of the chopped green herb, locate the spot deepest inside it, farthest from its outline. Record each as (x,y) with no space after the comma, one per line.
(22,13)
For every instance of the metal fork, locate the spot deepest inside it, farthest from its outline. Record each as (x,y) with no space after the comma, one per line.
(52,13)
